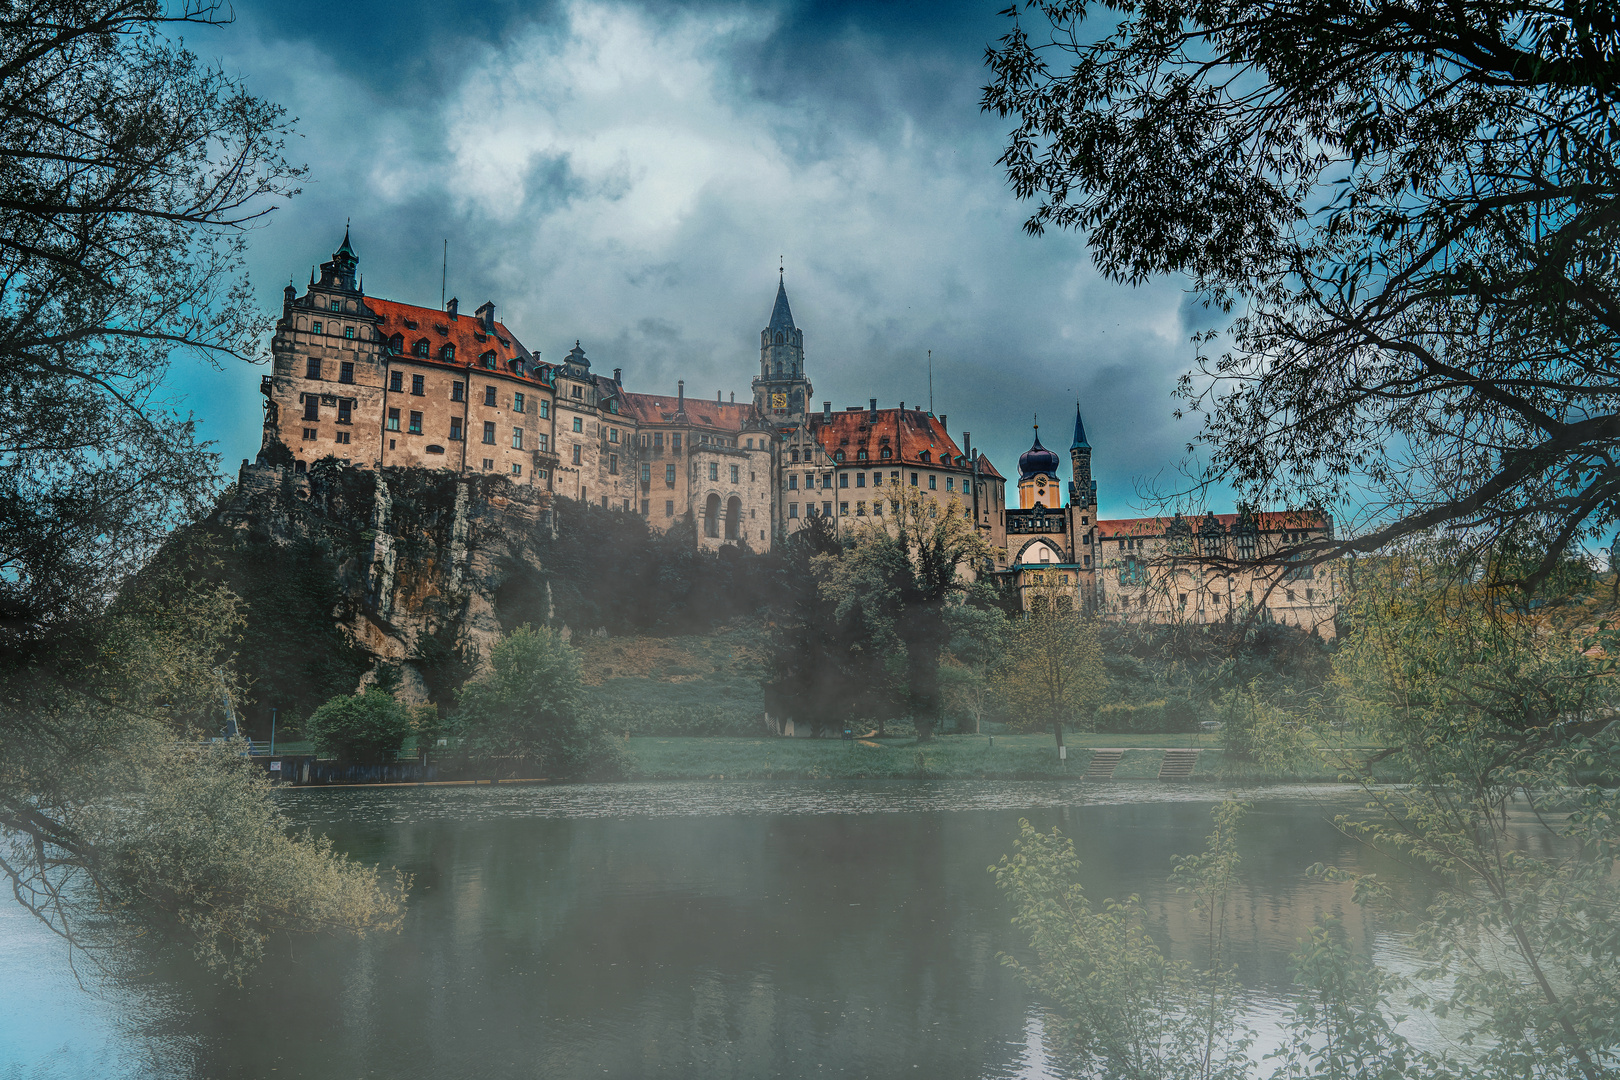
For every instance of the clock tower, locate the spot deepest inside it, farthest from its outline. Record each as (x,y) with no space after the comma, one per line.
(782,393)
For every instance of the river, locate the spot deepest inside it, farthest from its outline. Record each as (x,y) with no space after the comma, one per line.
(682,930)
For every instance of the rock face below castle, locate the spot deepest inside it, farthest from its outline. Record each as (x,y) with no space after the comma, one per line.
(425,557)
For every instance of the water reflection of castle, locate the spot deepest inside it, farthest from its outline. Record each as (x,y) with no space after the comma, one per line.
(377,383)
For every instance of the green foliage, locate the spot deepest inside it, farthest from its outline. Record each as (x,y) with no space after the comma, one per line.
(1052,673)
(367,727)
(1120,1007)
(525,710)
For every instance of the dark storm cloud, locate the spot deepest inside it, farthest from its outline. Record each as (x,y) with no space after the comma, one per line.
(628,175)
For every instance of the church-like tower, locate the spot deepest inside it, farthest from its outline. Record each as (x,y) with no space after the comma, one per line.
(782,393)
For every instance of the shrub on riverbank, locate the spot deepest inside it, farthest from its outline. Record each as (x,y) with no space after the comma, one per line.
(361,728)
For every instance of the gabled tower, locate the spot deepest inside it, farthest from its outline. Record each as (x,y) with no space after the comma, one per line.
(781,392)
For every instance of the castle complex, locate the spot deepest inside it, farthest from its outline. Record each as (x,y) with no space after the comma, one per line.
(380,384)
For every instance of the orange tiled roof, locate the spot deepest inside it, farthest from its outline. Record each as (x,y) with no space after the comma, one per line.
(987,469)
(660,409)
(1266,521)
(463,332)
(910,433)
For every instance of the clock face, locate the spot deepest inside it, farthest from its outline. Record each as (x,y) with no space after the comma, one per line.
(778,401)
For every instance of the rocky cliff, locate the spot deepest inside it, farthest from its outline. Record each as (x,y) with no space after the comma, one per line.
(430,564)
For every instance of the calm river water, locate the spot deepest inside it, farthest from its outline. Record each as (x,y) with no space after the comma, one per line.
(677,930)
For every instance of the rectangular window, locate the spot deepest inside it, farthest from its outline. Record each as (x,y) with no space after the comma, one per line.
(860,479)
(458,391)
(613,464)
(312,368)
(517,438)
(417,387)
(877,508)
(517,470)
(646,473)
(658,440)
(489,396)
(579,424)
(348,332)
(646,508)
(346,371)
(342,437)
(843,508)
(416,423)
(336,305)
(311,434)
(455,429)
(517,402)
(826,508)
(669,475)
(793,510)
(489,464)
(489,432)
(312,407)
(714,470)
(543,442)
(913,479)
(613,434)
(345,411)
(393,419)
(860,509)
(734,474)
(877,479)
(545,409)
(396,381)
(675,440)
(826,480)
(669,507)
(950,483)
(576,455)
(316,326)
(843,480)
(793,481)
(933,482)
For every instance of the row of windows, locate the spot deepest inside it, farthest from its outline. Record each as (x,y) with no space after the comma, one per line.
(877,481)
(655,440)
(348,331)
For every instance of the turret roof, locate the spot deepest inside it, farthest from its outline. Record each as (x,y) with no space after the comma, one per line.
(1079,431)
(781,315)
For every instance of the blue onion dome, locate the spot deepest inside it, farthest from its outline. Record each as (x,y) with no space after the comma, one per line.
(1037,460)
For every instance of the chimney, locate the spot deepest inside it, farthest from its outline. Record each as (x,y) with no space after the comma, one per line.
(680,396)
(826,412)
(945,422)
(734,397)
(871,408)
(902,410)
(450,308)
(486,315)
(717,394)
(618,376)
(967,444)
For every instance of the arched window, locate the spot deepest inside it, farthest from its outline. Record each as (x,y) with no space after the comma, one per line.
(781,339)
(421,347)
(795,454)
(733,517)
(711,516)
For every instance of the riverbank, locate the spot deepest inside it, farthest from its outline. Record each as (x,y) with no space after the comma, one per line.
(998,757)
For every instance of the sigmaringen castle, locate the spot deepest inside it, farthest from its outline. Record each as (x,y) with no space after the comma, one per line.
(381,384)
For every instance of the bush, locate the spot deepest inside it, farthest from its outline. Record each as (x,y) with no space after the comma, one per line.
(368,727)
(524,710)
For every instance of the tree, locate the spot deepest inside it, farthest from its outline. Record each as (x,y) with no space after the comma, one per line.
(524,709)
(1052,672)
(369,727)
(905,568)
(131,175)
(1409,208)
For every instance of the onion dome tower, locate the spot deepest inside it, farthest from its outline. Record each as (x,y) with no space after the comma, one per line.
(1037,476)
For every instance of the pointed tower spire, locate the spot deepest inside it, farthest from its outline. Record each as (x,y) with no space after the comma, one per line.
(1079,430)
(1083,488)
(781,314)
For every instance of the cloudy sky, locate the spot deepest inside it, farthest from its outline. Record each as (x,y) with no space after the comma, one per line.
(630,174)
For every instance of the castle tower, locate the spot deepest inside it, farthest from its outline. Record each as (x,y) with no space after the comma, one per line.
(1082,490)
(1038,483)
(781,392)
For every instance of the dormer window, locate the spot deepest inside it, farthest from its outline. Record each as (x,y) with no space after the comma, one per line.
(838,456)
(447,353)
(410,324)
(923,456)
(860,455)
(886,453)
(504,343)
(396,344)
(421,347)
(489,359)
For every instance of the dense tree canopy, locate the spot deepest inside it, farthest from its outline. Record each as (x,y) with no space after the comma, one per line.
(1409,207)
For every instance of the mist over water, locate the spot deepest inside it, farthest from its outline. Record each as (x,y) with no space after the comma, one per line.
(683,930)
